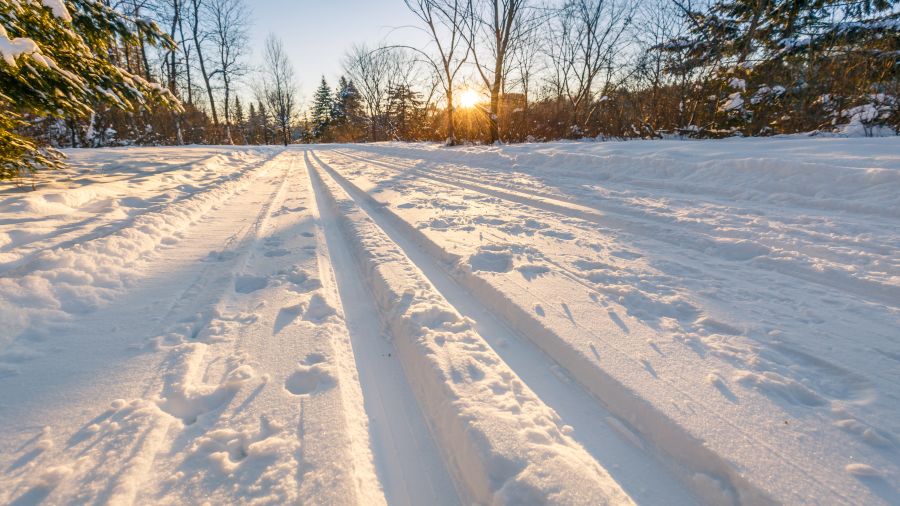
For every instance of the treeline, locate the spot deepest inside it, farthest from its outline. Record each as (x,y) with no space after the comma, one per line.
(641,69)
(619,69)
(95,73)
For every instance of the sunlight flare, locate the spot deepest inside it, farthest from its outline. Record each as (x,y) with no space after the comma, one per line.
(469,99)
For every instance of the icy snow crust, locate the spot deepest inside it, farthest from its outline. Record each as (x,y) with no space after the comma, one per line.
(572,323)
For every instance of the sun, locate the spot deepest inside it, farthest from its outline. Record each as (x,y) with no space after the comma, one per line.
(469,99)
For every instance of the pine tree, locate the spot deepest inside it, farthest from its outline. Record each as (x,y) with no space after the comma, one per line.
(338,112)
(777,61)
(403,112)
(321,111)
(239,122)
(251,125)
(263,125)
(54,63)
(347,114)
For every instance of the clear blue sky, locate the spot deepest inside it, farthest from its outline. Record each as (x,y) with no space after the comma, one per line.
(317,33)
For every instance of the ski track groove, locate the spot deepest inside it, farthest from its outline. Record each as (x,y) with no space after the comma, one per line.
(383,422)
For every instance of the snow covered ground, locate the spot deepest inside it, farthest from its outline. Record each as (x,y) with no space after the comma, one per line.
(664,322)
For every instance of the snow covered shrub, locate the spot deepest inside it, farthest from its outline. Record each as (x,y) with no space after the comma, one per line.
(875,116)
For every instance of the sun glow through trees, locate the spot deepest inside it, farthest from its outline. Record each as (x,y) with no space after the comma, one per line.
(469,99)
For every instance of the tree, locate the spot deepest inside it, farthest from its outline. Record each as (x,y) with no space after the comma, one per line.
(404,112)
(348,117)
(56,65)
(173,10)
(525,56)
(240,121)
(197,11)
(279,90)
(780,65)
(495,28)
(588,35)
(229,20)
(444,22)
(374,71)
(321,111)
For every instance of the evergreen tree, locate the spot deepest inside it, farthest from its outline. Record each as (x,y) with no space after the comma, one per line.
(321,111)
(265,133)
(403,112)
(778,60)
(55,63)
(251,125)
(347,116)
(305,129)
(239,122)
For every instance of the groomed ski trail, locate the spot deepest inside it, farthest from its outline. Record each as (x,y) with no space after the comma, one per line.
(567,323)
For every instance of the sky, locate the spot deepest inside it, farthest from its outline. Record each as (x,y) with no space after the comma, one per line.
(317,33)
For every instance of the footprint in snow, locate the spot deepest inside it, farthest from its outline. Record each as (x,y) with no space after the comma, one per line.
(317,309)
(491,261)
(249,284)
(531,272)
(309,379)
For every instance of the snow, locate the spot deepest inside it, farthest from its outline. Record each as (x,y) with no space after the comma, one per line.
(58,7)
(657,322)
(12,49)
(737,83)
(735,101)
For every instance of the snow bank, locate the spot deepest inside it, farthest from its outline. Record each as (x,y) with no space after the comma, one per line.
(852,175)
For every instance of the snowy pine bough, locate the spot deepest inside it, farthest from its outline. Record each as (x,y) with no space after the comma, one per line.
(52,64)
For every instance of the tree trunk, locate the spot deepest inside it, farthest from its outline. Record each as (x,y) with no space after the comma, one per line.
(495,112)
(451,124)
(187,59)
(195,32)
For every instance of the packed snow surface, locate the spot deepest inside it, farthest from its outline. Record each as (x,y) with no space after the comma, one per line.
(659,322)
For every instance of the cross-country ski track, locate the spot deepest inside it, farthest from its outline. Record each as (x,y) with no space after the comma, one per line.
(408,324)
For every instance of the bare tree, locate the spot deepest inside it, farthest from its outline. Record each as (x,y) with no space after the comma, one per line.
(369,69)
(494,29)
(199,36)
(171,12)
(445,22)
(279,88)
(375,72)
(657,22)
(134,10)
(186,47)
(585,40)
(525,55)
(229,23)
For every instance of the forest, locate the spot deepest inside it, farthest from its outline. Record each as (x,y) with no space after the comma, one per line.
(91,73)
